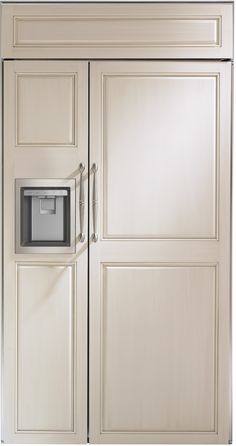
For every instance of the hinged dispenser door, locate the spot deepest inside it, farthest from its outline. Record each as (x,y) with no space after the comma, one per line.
(45,215)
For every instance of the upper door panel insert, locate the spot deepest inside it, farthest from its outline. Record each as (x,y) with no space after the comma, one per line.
(160,150)
(45,110)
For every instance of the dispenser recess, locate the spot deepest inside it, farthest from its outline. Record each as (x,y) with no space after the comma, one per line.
(45,216)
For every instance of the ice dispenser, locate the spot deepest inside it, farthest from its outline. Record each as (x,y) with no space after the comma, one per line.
(45,216)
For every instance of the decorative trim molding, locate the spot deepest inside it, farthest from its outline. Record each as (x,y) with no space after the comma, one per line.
(72,266)
(74,97)
(127,265)
(95,41)
(129,237)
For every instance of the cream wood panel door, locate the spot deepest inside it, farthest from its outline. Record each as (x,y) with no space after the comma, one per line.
(45,295)
(160,270)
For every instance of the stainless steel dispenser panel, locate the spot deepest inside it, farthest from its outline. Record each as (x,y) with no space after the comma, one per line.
(45,215)
(47,218)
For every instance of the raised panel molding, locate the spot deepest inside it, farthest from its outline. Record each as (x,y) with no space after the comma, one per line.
(54,126)
(135,30)
(45,353)
(108,217)
(124,327)
(166,31)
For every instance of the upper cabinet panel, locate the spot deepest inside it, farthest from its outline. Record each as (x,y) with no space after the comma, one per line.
(53,121)
(180,30)
(46,113)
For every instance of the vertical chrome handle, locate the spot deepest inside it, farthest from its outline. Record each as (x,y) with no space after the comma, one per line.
(81,203)
(95,203)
